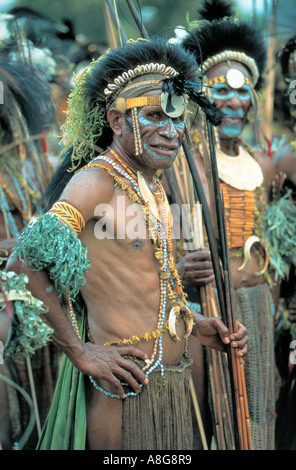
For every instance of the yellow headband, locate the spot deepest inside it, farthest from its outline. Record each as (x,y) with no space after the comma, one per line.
(123,104)
(223,79)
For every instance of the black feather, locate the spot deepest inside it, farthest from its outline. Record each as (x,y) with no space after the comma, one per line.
(215,9)
(180,86)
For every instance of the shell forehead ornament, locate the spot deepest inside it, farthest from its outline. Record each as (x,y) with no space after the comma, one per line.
(125,77)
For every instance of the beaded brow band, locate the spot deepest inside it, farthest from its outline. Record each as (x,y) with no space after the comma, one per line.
(121,80)
(142,101)
(222,79)
(234,55)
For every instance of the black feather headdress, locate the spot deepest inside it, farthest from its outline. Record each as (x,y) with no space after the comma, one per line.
(179,86)
(88,121)
(215,10)
(220,31)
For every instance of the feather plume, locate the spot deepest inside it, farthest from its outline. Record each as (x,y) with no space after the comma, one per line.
(215,10)
(179,86)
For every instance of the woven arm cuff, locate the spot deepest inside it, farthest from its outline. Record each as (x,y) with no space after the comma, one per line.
(47,244)
(68,214)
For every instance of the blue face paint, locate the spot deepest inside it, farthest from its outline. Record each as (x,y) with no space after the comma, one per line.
(233,113)
(145,121)
(229,128)
(221,91)
(157,156)
(172,126)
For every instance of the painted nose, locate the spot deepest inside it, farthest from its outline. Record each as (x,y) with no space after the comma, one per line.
(168,130)
(235,103)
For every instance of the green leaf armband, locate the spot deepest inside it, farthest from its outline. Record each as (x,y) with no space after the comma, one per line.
(47,244)
(279,233)
(28,332)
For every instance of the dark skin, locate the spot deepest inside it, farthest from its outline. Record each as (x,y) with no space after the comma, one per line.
(285,164)
(196,268)
(114,300)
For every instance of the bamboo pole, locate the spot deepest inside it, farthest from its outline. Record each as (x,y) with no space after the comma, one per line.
(110,30)
(218,387)
(267,118)
(114,16)
(198,415)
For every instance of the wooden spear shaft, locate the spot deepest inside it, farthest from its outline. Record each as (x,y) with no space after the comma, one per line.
(116,21)
(228,426)
(137,19)
(218,386)
(237,371)
(206,309)
(225,434)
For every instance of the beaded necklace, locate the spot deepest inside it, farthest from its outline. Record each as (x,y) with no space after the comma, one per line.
(160,234)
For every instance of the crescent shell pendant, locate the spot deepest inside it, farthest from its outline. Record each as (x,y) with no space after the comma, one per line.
(186,314)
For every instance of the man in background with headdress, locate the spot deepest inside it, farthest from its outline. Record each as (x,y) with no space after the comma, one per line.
(113,292)
(233,58)
(25,170)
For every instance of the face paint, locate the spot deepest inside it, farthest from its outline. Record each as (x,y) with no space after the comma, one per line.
(229,128)
(222,91)
(170,129)
(233,113)
(160,123)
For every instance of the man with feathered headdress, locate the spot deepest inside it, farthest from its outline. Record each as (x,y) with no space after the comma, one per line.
(104,252)
(233,57)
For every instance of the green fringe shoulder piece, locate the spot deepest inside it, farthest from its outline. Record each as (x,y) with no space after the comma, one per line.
(28,332)
(279,232)
(47,244)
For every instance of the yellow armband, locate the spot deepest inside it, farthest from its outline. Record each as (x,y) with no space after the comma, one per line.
(69,215)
